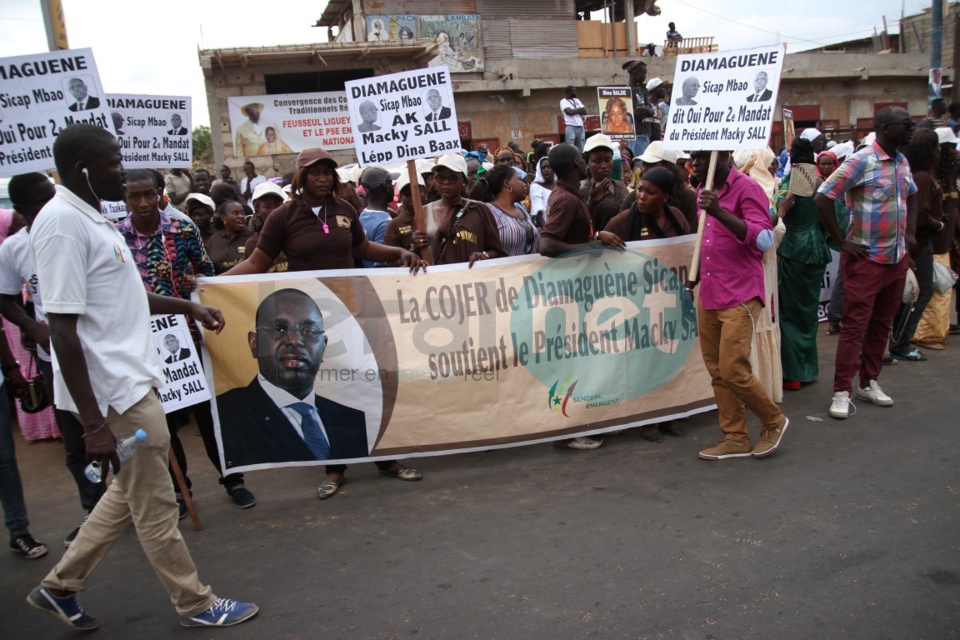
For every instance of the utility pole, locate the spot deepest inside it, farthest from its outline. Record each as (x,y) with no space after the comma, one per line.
(55,24)
(936,48)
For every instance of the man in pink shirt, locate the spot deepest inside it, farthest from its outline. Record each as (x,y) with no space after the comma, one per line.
(737,232)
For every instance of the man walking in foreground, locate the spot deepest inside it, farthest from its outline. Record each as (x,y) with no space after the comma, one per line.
(737,232)
(881,198)
(106,371)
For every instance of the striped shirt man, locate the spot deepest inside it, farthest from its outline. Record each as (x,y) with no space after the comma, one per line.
(875,187)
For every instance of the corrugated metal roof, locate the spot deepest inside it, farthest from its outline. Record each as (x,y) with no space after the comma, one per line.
(525,8)
(418,7)
(496,40)
(543,38)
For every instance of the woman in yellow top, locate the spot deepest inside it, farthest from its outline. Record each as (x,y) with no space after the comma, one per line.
(273,145)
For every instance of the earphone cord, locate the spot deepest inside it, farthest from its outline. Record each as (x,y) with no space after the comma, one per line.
(87,176)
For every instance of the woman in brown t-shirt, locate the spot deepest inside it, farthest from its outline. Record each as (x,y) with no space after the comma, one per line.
(650,217)
(461,230)
(226,246)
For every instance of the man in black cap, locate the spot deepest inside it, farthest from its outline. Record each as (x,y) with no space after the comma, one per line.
(378,184)
(644,114)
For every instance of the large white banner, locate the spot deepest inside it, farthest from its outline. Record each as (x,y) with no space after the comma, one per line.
(154,131)
(724,101)
(403,116)
(40,95)
(289,123)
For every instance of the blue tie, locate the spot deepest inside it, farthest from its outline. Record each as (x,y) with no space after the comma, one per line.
(312,433)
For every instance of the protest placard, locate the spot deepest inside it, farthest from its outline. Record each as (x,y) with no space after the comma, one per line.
(616,112)
(289,123)
(724,101)
(403,116)
(154,132)
(510,352)
(40,95)
(184,382)
(789,130)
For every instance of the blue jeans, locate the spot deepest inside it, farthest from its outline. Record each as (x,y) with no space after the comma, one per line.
(574,135)
(639,145)
(11,489)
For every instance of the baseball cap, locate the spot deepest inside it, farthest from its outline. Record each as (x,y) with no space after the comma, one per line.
(404,180)
(653,83)
(654,153)
(810,134)
(268,189)
(424,166)
(312,156)
(452,161)
(202,199)
(373,177)
(946,135)
(599,141)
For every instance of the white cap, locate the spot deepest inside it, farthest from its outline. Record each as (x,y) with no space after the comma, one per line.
(452,161)
(424,166)
(268,188)
(831,144)
(843,150)
(487,166)
(810,134)
(404,180)
(868,139)
(599,141)
(345,174)
(202,199)
(656,153)
(946,135)
(653,83)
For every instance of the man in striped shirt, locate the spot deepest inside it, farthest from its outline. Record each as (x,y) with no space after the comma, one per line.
(879,193)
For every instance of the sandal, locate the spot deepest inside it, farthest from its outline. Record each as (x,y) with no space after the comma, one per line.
(403,473)
(328,488)
(913,356)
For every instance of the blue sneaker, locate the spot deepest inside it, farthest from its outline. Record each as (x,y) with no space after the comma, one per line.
(223,613)
(66,609)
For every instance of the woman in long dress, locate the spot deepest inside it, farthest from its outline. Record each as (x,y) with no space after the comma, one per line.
(803,256)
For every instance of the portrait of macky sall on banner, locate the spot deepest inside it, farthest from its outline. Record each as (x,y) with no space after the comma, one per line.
(292,406)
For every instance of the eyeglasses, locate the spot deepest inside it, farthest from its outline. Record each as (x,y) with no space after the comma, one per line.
(446,177)
(282,332)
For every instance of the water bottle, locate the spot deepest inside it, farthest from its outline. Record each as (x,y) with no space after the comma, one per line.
(125,448)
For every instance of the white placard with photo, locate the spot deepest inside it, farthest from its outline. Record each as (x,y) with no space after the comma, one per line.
(154,131)
(724,101)
(403,116)
(40,95)
(184,382)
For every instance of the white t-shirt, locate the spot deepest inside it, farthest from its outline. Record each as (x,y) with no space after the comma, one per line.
(87,270)
(17,271)
(571,121)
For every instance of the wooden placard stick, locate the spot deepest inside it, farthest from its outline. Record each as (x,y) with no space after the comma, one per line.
(419,215)
(707,186)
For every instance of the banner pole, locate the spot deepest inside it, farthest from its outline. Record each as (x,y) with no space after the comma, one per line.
(708,186)
(419,215)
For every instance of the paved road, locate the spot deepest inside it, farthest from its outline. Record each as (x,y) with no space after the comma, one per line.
(852,530)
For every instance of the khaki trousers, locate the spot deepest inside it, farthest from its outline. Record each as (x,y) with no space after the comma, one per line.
(726,337)
(141,493)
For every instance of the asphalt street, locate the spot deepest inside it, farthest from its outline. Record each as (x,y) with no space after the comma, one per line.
(849,531)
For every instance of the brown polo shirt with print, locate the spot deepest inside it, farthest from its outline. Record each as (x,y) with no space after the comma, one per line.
(474,231)
(296,231)
(568,218)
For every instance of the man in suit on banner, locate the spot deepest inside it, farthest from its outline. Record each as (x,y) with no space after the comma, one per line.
(177,353)
(437,110)
(760,91)
(278,417)
(84,102)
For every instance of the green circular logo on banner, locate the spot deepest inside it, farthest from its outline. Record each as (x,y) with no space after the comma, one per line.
(601,326)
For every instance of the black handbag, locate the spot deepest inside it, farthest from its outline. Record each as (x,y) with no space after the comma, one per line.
(35,398)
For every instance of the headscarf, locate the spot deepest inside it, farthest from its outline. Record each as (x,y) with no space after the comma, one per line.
(539,179)
(829,154)
(661,178)
(757,166)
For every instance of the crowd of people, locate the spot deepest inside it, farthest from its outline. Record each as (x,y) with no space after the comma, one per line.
(888,204)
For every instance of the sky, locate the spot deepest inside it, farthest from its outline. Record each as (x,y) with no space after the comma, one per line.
(157,54)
